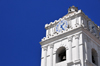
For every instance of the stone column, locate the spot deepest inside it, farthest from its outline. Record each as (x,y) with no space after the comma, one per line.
(42,57)
(45,56)
(77,46)
(69,54)
(81,49)
(98,56)
(51,55)
(54,58)
(86,49)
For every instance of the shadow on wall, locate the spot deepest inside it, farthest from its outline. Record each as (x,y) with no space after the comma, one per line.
(61,54)
(94,57)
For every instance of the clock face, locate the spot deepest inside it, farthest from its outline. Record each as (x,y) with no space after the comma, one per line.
(92,27)
(62,25)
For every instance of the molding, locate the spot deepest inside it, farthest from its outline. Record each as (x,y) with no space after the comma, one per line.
(51,45)
(70,38)
(67,48)
(72,32)
(42,57)
(61,46)
(77,36)
(88,39)
(48,55)
(70,63)
(73,46)
(81,44)
(45,48)
(58,33)
(77,61)
(54,53)
(67,17)
(74,62)
(91,37)
(62,36)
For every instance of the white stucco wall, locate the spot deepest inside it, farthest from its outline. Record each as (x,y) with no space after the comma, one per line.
(77,39)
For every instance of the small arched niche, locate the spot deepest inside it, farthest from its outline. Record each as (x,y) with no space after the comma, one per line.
(60,54)
(94,57)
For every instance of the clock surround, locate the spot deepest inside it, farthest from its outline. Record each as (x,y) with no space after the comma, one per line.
(62,25)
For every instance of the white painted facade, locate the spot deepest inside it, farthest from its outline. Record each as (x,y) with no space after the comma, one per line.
(80,39)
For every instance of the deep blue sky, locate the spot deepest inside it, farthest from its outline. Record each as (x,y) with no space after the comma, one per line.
(22,26)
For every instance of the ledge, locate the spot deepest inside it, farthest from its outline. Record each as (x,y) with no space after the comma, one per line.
(77,61)
(70,63)
(48,55)
(42,57)
(74,62)
(63,35)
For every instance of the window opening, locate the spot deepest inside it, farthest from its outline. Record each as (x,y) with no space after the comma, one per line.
(61,54)
(94,57)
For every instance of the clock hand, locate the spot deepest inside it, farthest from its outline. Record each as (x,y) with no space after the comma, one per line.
(62,26)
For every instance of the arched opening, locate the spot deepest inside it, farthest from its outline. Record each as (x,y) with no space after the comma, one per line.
(94,57)
(61,54)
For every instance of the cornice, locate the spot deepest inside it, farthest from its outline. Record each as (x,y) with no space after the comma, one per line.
(91,36)
(68,16)
(65,35)
(51,45)
(62,35)
(69,31)
(59,33)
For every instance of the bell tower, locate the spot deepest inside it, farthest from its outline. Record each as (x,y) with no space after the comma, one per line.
(73,40)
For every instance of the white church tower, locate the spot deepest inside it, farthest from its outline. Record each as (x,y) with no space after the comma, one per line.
(73,40)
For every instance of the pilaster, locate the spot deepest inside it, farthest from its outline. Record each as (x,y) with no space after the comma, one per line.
(98,55)
(51,54)
(77,46)
(69,52)
(45,56)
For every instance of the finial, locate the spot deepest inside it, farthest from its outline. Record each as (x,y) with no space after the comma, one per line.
(72,9)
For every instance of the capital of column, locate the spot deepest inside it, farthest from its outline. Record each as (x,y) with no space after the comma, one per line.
(51,45)
(77,36)
(45,48)
(69,38)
